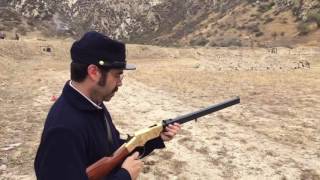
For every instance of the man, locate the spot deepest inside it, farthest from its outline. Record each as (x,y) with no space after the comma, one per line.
(78,130)
(2,35)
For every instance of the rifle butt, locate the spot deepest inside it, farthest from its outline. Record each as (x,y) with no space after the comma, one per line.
(105,165)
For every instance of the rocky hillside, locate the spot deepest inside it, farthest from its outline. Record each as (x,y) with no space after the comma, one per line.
(171,22)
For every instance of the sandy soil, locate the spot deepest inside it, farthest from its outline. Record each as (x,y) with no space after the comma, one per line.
(273,134)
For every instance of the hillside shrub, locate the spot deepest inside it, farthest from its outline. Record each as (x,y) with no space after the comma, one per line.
(268,20)
(199,41)
(297,7)
(225,42)
(314,17)
(274,35)
(230,42)
(304,28)
(22,30)
(258,34)
(277,12)
(253,28)
(212,44)
(266,7)
(251,1)
(284,21)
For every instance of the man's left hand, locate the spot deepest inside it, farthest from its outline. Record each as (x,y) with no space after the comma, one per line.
(170,131)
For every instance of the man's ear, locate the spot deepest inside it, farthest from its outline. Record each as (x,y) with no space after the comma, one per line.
(93,73)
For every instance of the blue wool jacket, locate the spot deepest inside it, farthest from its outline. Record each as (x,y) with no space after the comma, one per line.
(75,136)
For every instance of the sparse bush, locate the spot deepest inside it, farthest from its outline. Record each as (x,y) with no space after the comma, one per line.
(269,19)
(258,34)
(253,28)
(282,33)
(274,35)
(199,41)
(240,27)
(296,11)
(233,42)
(212,44)
(277,12)
(221,26)
(22,31)
(251,1)
(304,28)
(253,15)
(188,30)
(30,23)
(314,17)
(227,42)
(266,7)
(284,21)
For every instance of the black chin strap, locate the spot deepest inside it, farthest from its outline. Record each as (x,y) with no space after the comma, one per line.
(109,134)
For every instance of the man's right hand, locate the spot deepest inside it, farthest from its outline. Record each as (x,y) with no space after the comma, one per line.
(133,165)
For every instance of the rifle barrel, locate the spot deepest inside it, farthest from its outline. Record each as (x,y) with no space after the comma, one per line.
(202,112)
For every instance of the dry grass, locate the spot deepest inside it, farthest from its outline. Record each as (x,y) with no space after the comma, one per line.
(273,133)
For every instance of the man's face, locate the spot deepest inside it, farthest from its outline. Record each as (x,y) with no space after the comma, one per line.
(108,85)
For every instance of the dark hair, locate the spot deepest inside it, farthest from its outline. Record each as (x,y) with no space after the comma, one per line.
(78,72)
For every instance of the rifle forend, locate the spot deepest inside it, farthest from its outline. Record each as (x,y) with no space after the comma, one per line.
(105,165)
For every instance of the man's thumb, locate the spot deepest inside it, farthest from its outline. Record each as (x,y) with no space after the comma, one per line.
(135,155)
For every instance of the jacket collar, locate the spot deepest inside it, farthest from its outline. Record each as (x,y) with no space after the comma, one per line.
(78,100)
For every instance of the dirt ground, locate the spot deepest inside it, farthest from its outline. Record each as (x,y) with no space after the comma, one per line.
(273,134)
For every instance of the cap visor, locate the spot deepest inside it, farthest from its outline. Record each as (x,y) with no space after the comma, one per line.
(130,67)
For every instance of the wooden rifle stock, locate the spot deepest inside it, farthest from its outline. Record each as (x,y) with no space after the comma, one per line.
(105,165)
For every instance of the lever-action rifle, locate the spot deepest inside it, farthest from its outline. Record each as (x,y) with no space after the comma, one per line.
(103,166)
